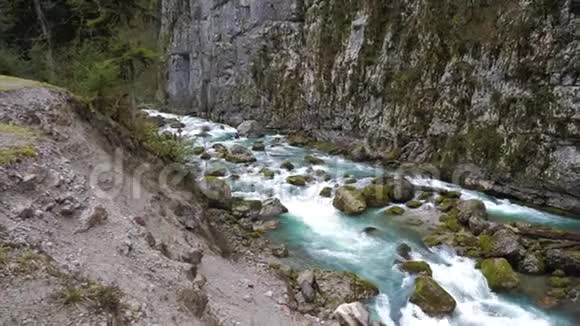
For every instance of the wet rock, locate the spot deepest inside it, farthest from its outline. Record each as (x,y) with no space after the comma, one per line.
(499,274)
(177,125)
(370,230)
(349,200)
(532,263)
(217,172)
(450,194)
(413,204)
(272,207)
(250,128)
(395,210)
(287,165)
(313,160)
(249,209)
(259,146)
(404,251)
(376,195)
(217,191)
(566,260)
(506,244)
(469,208)
(417,267)
(432,298)
(240,154)
(402,190)
(267,173)
(205,156)
(352,314)
(280,251)
(326,192)
(296,180)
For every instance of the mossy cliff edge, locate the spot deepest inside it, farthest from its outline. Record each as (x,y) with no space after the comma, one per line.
(488,83)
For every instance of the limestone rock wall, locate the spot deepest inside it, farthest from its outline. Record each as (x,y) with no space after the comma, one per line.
(492,83)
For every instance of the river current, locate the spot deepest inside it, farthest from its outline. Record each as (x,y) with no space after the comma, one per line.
(318,235)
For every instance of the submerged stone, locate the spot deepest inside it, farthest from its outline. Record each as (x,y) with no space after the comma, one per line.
(313,160)
(287,165)
(326,192)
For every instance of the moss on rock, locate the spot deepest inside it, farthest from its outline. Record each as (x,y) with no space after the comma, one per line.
(395,210)
(432,298)
(417,267)
(376,195)
(499,274)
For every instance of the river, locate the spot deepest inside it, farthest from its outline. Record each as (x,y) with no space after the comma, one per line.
(318,235)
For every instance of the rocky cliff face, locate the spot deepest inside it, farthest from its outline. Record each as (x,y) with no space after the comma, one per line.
(494,84)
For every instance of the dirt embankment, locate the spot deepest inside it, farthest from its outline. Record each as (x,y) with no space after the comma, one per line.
(88,235)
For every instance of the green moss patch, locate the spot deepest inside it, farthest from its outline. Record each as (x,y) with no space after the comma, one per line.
(14,154)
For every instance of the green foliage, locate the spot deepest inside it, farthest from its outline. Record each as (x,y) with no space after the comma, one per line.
(98,79)
(11,63)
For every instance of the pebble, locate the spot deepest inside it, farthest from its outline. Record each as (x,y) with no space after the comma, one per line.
(269,294)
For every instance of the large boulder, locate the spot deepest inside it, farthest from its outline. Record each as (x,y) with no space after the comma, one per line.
(340,287)
(402,190)
(250,128)
(506,244)
(376,195)
(240,154)
(469,208)
(349,200)
(352,314)
(565,260)
(432,298)
(217,191)
(499,274)
(272,207)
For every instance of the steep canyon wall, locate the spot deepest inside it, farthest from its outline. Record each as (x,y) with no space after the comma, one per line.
(493,83)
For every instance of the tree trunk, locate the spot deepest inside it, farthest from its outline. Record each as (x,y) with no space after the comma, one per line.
(46,32)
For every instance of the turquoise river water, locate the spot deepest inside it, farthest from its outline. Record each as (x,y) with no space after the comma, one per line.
(318,235)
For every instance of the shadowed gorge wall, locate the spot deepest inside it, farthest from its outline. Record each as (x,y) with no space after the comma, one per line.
(493,83)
